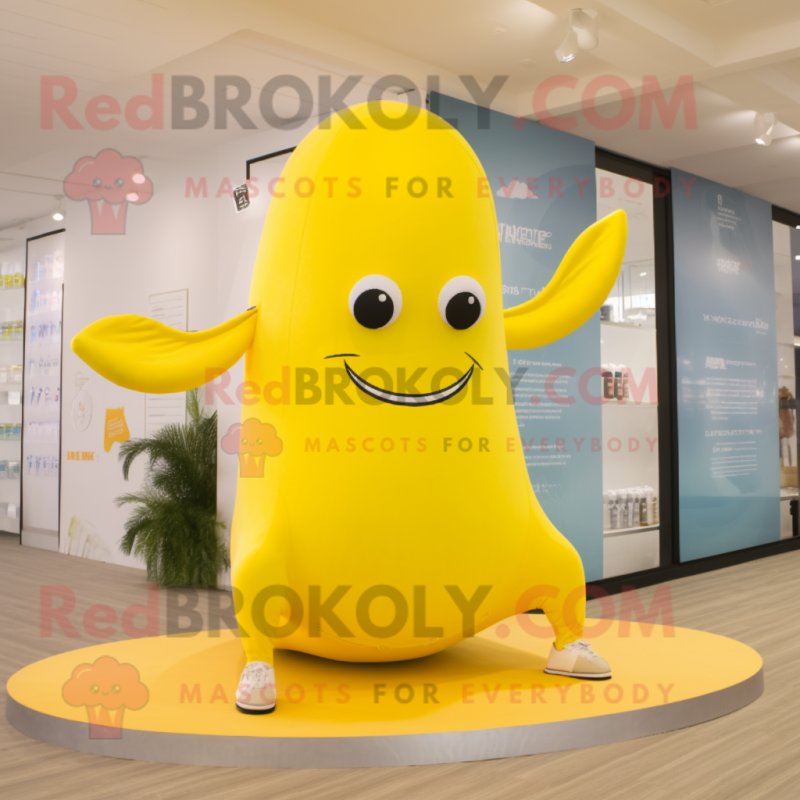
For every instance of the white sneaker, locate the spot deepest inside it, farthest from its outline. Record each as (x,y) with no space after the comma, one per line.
(256,693)
(577,660)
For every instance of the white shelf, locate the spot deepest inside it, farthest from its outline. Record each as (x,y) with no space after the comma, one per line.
(629,404)
(625,531)
(621,324)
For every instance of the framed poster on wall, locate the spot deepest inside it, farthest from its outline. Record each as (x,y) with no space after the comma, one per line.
(727,374)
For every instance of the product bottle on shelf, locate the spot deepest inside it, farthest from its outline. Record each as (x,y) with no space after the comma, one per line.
(644,506)
(607,371)
(634,521)
(606,510)
(613,511)
(653,507)
(629,503)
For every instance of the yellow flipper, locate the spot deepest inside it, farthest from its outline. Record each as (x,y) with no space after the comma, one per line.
(141,354)
(581,284)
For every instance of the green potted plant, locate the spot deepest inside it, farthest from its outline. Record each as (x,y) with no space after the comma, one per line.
(174,526)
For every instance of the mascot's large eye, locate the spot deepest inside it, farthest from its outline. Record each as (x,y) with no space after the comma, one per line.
(116,688)
(97,183)
(375,301)
(461,302)
(94,688)
(119,183)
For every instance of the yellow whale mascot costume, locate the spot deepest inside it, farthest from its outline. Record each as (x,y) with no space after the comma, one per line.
(398,517)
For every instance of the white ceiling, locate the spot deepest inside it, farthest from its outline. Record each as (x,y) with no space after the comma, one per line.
(743,55)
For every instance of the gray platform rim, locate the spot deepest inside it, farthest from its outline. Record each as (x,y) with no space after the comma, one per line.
(385,751)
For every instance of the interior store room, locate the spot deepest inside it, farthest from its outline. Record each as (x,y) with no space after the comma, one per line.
(399,401)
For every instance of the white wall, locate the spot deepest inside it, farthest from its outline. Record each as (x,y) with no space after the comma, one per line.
(169,243)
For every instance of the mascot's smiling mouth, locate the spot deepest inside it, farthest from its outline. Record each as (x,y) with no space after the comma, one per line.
(397,399)
(400,399)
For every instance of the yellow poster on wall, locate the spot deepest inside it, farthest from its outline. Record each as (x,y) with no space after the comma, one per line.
(116,428)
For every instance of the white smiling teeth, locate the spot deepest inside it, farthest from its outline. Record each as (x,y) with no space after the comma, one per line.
(409,399)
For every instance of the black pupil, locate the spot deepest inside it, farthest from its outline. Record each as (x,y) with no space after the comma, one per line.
(97,182)
(463,310)
(373,308)
(119,182)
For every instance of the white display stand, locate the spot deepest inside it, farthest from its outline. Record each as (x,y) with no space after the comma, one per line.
(12,302)
(41,392)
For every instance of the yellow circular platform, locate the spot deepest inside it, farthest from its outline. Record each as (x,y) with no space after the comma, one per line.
(486,697)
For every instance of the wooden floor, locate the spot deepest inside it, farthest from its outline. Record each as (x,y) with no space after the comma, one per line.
(754,753)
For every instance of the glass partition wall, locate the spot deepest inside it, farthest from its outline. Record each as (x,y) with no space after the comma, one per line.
(631,540)
(783,238)
(41,392)
(12,301)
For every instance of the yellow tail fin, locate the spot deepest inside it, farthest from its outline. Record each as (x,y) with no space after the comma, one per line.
(142,354)
(581,284)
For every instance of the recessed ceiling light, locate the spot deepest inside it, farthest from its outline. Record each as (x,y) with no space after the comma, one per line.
(797,258)
(642,274)
(499,30)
